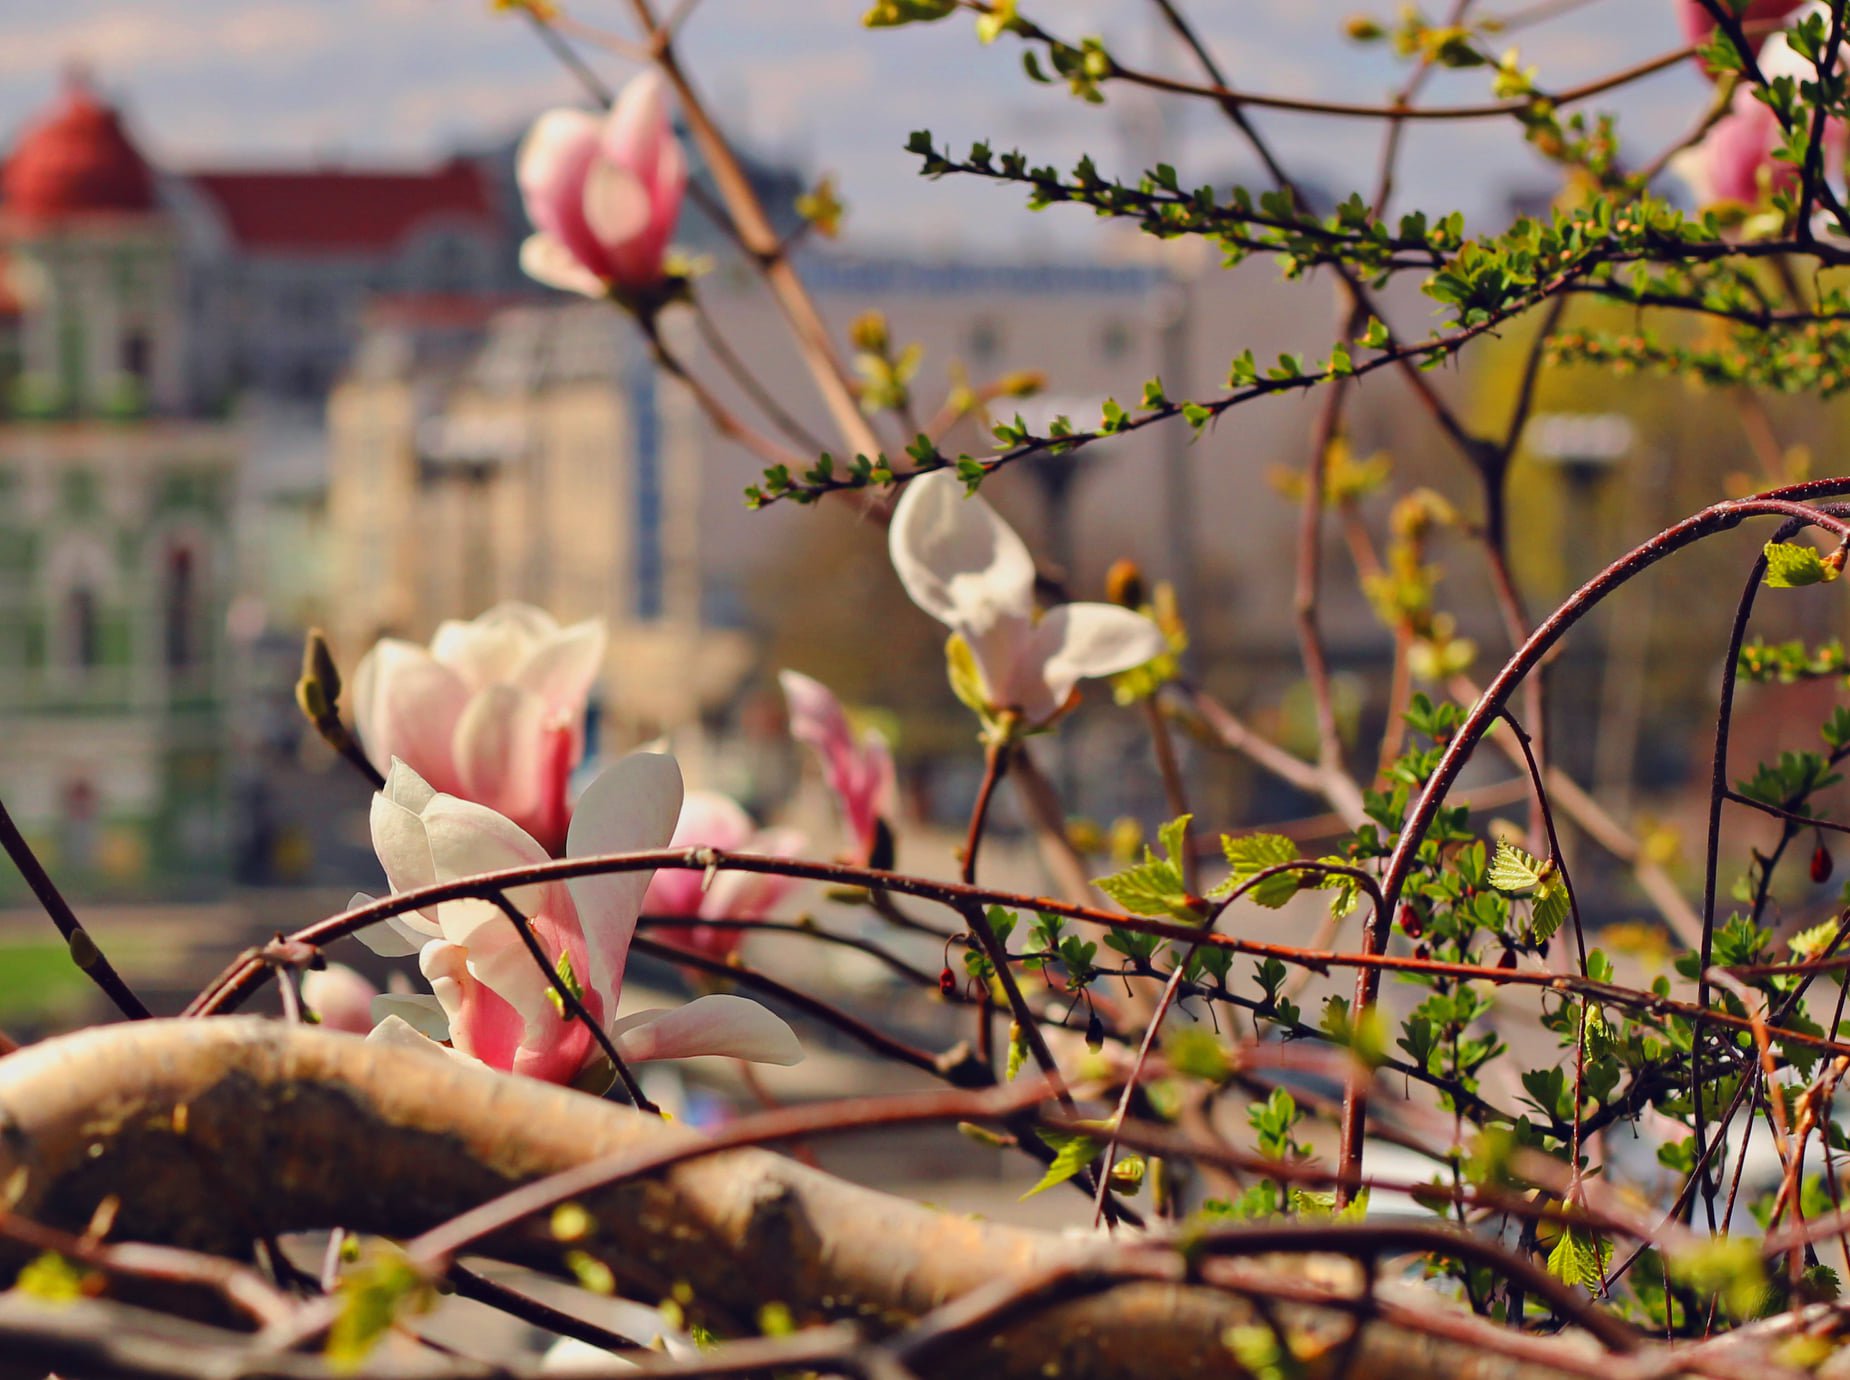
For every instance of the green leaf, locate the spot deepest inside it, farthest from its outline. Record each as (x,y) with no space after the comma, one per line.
(1072,1153)
(1808,944)
(1579,1259)
(50,1278)
(1792,564)
(371,1296)
(1174,838)
(1252,854)
(1018,1051)
(1515,872)
(1151,887)
(1550,910)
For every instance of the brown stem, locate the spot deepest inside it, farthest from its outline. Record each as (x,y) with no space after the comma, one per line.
(84,951)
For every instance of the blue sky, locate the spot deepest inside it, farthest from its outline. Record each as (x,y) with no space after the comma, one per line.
(386,80)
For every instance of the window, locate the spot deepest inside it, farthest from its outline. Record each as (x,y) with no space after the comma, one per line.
(137,356)
(83,650)
(985,342)
(181,610)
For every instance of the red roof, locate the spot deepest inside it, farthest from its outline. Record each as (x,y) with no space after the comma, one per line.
(337,212)
(75,160)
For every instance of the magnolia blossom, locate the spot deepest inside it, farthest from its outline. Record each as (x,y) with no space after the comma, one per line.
(859,770)
(1734,161)
(489,999)
(1699,24)
(603,194)
(709,819)
(492,711)
(340,998)
(967,568)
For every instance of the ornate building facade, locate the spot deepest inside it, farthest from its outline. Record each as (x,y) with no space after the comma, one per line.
(115,492)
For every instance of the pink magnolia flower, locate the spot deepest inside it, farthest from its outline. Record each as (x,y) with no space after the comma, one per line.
(340,998)
(713,820)
(859,770)
(489,999)
(1699,24)
(492,711)
(603,194)
(1734,161)
(967,568)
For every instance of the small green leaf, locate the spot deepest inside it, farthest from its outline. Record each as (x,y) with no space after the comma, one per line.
(50,1278)
(1252,854)
(371,1297)
(1579,1259)
(1790,565)
(1072,1153)
(1516,872)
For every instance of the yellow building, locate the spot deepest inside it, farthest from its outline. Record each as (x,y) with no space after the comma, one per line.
(529,453)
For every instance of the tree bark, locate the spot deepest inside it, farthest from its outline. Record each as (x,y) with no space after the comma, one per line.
(213,1132)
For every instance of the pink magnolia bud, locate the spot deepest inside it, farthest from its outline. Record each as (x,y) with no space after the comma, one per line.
(603,195)
(859,770)
(340,998)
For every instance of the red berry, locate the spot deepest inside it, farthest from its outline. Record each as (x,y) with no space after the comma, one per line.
(947,982)
(1821,865)
(1409,921)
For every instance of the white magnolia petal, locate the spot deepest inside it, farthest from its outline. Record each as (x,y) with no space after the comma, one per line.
(403,786)
(957,558)
(490,647)
(404,704)
(419,1010)
(1077,641)
(719,1024)
(395,1030)
(632,805)
(467,840)
(401,844)
(547,260)
(562,670)
(397,936)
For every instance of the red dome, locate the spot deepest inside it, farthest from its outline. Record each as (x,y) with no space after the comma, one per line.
(74,160)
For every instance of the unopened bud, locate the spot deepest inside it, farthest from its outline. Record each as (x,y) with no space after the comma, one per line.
(1095,1032)
(947,983)
(869,333)
(1363,29)
(1124,584)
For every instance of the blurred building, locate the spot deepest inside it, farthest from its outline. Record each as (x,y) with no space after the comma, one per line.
(115,547)
(530,453)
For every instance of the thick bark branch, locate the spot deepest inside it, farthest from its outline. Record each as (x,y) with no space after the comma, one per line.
(210,1132)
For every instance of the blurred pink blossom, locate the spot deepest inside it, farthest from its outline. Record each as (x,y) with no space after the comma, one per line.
(603,194)
(858,770)
(1698,23)
(489,999)
(713,820)
(340,998)
(1734,161)
(492,711)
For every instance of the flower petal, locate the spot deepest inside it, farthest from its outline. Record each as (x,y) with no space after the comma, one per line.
(1077,641)
(501,751)
(720,1024)
(467,839)
(562,669)
(632,805)
(616,209)
(958,560)
(708,819)
(547,261)
(405,704)
(419,1010)
(394,1030)
(490,648)
(554,160)
(340,998)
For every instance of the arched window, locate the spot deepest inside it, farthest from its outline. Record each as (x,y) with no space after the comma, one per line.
(81,643)
(180,599)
